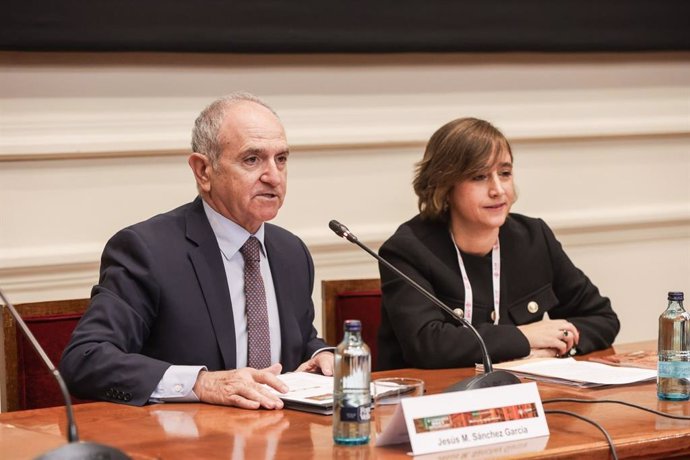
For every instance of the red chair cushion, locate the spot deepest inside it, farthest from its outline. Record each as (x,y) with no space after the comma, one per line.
(37,386)
(364,306)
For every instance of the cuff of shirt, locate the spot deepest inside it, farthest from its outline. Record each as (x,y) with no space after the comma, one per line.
(331,349)
(177,385)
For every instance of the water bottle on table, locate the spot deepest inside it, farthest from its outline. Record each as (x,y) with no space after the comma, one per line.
(351,388)
(673,379)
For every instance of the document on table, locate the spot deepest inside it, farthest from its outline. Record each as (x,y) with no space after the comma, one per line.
(568,371)
(646,359)
(308,392)
(314,392)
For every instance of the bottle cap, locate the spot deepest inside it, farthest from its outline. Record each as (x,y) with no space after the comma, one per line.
(353,325)
(675,295)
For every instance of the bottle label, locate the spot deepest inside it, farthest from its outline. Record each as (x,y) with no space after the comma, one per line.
(674,369)
(355,414)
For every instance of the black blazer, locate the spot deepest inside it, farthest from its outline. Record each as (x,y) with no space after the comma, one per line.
(163,299)
(534,268)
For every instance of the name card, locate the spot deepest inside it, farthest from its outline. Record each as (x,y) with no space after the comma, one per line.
(466,419)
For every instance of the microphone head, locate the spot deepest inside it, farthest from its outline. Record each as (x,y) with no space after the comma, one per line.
(341,230)
(338,228)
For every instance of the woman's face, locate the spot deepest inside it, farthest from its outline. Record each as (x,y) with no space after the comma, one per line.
(482,202)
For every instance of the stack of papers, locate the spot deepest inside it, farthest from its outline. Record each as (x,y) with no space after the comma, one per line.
(307,392)
(646,359)
(568,371)
(314,392)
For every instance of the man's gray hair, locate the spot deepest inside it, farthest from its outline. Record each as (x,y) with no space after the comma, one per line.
(207,125)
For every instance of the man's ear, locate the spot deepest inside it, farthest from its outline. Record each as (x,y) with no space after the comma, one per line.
(201,167)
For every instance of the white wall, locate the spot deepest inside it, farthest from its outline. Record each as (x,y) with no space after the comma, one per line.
(90,143)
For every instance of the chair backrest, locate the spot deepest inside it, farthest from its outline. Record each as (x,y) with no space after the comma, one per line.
(29,384)
(352,299)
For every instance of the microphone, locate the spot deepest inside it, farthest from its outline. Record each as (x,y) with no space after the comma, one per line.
(75,449)
(490,377)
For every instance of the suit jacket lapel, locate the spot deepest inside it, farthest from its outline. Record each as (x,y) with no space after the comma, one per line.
(290,337)
(210,272)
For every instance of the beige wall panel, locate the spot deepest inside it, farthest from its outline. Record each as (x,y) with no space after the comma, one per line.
(91,143)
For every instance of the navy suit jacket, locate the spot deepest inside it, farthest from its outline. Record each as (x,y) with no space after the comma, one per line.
(163,299)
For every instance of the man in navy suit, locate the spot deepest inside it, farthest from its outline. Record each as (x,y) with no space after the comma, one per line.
(167,321)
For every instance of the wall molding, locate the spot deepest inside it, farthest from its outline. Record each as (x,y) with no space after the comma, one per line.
(126,128)
(71,266)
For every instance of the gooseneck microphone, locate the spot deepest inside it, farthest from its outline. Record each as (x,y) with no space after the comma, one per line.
(74,449)
(490,377)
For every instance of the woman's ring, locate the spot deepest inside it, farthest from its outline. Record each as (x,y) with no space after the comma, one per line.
(565,333)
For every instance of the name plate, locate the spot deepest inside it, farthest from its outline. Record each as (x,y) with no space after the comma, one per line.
(466,419)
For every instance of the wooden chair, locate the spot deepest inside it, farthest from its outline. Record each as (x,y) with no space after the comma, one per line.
(352,299)
(29,384)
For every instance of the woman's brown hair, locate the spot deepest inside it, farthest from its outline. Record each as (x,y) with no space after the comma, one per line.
(457,151)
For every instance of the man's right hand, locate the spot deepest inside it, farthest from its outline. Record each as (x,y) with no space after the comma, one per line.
(241,387)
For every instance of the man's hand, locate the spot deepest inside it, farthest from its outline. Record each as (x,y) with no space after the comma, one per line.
(322,362)
(241,387)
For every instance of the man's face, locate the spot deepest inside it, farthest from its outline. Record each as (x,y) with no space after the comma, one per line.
(249,182)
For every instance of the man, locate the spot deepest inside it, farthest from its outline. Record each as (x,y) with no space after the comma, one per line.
(205,302)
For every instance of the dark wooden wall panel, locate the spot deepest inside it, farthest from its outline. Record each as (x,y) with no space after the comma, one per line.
(341,26)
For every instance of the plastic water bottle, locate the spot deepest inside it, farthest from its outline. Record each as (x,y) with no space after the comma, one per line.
(351,388)
(673,379)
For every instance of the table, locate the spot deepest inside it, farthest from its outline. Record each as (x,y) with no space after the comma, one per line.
(205,431)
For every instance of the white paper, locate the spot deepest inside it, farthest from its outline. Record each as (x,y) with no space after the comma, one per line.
(315,390)
(308,388)
(571,370)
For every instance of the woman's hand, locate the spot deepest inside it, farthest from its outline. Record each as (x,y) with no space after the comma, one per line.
(543,353)
(558,335)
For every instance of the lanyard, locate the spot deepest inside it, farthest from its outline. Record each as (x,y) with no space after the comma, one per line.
(496,275)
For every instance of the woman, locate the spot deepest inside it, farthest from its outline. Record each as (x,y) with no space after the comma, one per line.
(506,272)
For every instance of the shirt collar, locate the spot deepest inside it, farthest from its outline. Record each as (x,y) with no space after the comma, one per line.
(230,235)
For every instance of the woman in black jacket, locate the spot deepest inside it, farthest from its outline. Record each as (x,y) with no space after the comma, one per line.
(506,272)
